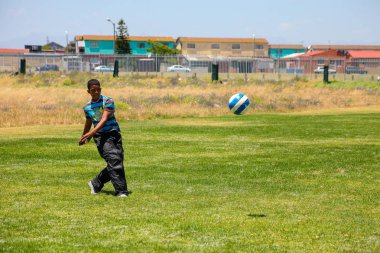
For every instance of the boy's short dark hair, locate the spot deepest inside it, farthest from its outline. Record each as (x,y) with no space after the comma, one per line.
(92,82)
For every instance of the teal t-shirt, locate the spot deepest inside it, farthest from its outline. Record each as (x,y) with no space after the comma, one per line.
(94,111)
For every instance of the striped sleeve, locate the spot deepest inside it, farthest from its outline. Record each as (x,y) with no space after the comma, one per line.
(85,109)
(110,105)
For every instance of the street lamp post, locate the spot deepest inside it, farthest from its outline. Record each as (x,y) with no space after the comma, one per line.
(254,53)
(114,32)
(253,36)
(67,41)
(67,38)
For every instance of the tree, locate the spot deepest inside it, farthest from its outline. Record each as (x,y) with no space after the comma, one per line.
(161,49)
(122,40)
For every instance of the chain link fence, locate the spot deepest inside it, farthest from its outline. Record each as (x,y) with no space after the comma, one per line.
(263,68)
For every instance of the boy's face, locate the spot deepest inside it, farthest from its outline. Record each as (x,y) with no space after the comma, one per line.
(95,92)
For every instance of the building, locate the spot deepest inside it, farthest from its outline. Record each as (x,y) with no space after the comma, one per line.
(34,48)
(223,47)
(345,47)
(341,61)
(10,58)
(309,61)
(365,60)
(277,51)
(104,44)
(71,47)
(370,55)
(13,51)
(53,47)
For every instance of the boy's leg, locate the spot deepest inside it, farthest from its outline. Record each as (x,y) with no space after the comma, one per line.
(102,178)
(114,155)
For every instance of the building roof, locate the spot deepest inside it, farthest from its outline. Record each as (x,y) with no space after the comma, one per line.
(346,47)
(331,53)
(312,53)
(54,45)
(363,54)
(13,50)
(131,38)
(286,46)
(221,40)
(294,55)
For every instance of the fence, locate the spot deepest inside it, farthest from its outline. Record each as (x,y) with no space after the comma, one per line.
(340,68)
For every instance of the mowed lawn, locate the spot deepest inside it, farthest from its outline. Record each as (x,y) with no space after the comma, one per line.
(255,183)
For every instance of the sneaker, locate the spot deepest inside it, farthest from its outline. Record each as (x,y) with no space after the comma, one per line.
(92,187)
(121,195)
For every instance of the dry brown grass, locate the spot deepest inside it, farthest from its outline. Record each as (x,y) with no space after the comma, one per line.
(53,99)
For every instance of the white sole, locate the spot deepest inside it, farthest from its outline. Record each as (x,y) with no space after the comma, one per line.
(92,188)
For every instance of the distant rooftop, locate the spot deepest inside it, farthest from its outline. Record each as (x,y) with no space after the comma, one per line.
(13,50)
(364,54)
(295,55)
(132,38)
(286,46)
(222,40)
(346,47)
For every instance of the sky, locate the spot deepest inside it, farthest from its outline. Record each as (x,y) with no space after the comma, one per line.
(306,22)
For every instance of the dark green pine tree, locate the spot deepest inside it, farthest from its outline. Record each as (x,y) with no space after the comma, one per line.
(122,40)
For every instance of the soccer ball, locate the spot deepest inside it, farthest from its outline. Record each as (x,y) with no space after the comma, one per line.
(238,103)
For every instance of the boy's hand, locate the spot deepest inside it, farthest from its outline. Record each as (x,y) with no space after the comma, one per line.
(83,142)
(85,138)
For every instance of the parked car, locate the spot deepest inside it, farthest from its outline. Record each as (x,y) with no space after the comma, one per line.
(102,68)
(355,70)
(320,70)
(48,67)
(178,68)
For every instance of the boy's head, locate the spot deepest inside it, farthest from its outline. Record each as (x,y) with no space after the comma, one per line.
(94,89)
(92,82)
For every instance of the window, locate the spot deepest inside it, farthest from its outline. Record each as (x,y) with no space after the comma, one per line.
(141,45)
(190,45)
(320,61)
(259,46)
(235,46)
(94,44)
(215,46)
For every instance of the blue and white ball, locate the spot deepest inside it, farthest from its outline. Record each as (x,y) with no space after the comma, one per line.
(238,103)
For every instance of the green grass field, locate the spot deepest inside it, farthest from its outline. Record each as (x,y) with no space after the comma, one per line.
(257,183)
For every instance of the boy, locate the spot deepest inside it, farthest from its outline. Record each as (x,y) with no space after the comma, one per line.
(100,112)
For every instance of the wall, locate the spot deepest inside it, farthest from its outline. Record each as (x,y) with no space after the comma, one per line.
(225,49)
(99,47)
(144,51)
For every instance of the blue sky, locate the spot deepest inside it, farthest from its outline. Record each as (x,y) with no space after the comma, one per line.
(282,21)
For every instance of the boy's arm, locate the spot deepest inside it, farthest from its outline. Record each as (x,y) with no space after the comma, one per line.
(87,127)
(88,135)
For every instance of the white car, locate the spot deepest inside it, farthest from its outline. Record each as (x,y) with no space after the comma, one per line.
(103,69)
(320,70)
(178,68)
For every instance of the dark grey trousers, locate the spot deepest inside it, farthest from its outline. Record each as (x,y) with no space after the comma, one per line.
(110,148)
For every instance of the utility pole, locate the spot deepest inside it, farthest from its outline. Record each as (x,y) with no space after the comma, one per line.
(114,34)
(67,41)
(254,53)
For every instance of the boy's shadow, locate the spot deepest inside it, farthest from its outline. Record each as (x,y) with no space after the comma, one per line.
(256,215)
(112,192)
